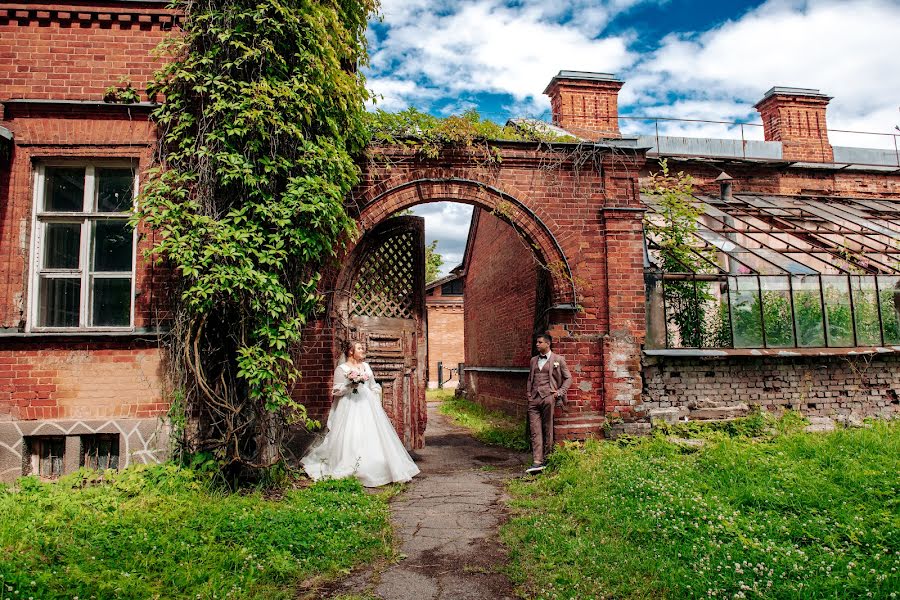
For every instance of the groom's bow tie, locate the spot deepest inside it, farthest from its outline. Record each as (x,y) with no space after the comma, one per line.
(542,356)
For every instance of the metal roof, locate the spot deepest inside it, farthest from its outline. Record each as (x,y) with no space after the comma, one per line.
(759,234)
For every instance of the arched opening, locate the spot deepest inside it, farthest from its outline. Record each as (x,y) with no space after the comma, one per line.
(513,273)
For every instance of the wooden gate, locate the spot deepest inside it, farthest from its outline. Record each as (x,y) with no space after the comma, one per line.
(382,304)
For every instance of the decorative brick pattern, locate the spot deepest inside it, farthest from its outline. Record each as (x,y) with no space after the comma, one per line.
(797,120)
(74,52)
(141,441)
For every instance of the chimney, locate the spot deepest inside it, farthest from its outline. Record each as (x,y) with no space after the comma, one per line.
(796,118)
(586,104)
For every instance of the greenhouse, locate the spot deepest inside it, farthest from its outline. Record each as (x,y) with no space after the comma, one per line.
(763,271)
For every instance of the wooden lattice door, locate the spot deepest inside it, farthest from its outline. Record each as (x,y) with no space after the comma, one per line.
(384,306)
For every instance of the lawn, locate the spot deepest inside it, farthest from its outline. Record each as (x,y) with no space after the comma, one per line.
(491,427)
(163,532)
(794,515)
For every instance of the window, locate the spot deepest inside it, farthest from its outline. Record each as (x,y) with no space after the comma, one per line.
(100,452)
(83,253)
(452,288)
(46,454)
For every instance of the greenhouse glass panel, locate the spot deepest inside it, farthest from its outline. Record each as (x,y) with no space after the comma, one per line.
(810,322)
(779,325)
(746,315)
(889,301)
(865,311)
(838,316)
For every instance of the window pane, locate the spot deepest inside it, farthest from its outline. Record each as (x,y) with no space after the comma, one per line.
(715,328)
(47,456)
(112,302)
(62,245)
(64,189)
(115,189)
(112,245)
(836,289)
(808,311)
(101,452)
(777,312)
(745,312)
(59,302)
(865,311)
(890,308)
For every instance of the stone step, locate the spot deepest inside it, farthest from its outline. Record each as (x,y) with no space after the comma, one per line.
(668,415)
(722,412)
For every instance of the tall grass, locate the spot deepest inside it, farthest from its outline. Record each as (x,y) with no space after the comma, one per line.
(801,516)
(161,532)
(491,427)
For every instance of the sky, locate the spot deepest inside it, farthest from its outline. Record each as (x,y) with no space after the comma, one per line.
(686,59)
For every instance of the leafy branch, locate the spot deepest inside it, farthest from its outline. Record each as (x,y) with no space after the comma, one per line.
(264,112)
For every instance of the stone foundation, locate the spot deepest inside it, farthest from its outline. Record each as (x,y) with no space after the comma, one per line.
(861,385)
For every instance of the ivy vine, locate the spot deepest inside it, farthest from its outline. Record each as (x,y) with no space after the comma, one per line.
(430,135)
(263,114)
(671,227)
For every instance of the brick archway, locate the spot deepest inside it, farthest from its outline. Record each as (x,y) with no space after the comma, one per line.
(583,221)
(537,234)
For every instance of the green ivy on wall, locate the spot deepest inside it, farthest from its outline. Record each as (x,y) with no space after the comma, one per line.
(263,115)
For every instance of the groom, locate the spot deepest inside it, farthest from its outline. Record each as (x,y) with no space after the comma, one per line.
(548,381)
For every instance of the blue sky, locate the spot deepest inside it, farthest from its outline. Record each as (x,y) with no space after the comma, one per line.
(694,59)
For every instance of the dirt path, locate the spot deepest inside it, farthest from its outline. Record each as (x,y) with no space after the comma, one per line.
(447,523)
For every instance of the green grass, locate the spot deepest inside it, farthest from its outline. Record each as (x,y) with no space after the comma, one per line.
(491,427)
(799,516)
(161,532)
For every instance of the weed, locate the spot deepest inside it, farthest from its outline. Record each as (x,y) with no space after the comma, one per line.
(164,531)
(790,515)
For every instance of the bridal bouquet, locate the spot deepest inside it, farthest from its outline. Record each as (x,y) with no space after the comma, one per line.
(356,377)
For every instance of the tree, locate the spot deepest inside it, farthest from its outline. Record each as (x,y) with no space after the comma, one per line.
(263,114)
(433,262)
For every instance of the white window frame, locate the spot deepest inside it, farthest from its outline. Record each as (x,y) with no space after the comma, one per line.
(87,216)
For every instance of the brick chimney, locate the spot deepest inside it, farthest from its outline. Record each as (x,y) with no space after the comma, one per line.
(796,118)
(586,104)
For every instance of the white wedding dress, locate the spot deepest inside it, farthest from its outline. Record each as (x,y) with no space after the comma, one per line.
(360,440)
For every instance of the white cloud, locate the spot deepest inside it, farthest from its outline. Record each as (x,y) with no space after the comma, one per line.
(486,46)
(448,223)
(393,94)
(846,49)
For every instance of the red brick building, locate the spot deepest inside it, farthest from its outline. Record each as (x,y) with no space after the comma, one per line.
(444,300)
(80,371)
(557,244)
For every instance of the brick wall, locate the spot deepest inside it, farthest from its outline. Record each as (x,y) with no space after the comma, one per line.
(777,180)
(501,291)
(43,379)
(72,51)
(75,384)
(862,385)
(445,341)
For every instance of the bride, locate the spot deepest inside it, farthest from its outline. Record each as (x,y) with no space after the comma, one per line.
(360,440)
